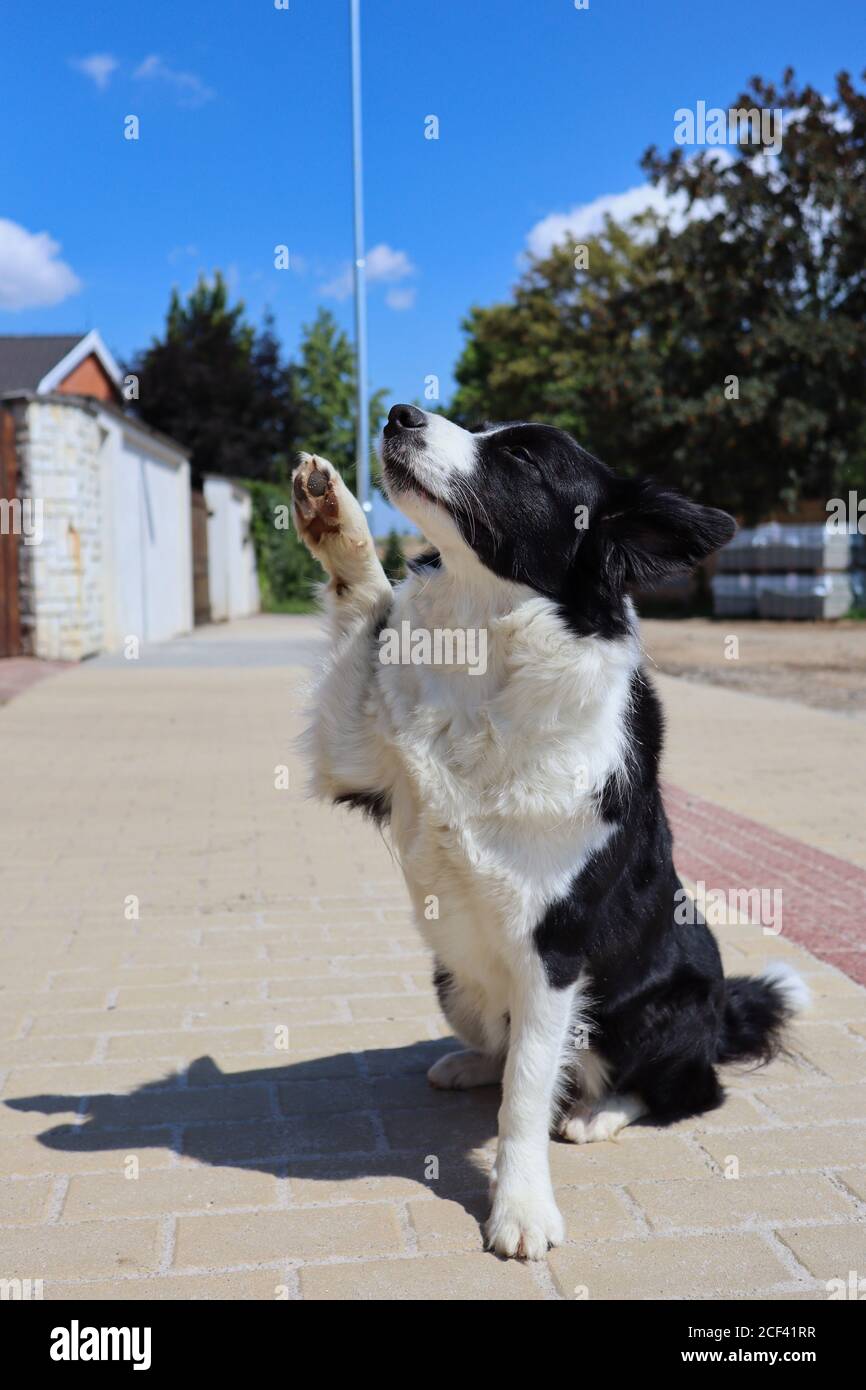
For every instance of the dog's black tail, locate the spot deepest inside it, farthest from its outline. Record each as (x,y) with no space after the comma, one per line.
(756,1011)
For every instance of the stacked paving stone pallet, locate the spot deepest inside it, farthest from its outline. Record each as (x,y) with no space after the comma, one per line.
(790,571)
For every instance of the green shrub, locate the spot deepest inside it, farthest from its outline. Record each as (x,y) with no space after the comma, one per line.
(287,571)
(394,561)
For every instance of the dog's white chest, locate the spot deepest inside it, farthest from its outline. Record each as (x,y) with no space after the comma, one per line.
(496,776)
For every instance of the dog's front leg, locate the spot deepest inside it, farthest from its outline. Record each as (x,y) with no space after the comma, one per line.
(525,1219)
(332,525)
(348,756)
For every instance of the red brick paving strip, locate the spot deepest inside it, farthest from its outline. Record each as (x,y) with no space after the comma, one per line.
(823,898)
(18,673)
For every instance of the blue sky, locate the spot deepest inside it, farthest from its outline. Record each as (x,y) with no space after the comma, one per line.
(244,145)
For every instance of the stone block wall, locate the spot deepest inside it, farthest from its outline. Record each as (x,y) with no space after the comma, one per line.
(62,575)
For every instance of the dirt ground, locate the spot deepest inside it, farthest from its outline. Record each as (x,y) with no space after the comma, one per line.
(818,664)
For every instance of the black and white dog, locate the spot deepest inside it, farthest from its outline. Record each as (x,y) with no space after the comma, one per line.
(523,798)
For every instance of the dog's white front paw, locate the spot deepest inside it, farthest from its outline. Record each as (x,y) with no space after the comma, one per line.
(330,522)
(524,1224)
(459,1071)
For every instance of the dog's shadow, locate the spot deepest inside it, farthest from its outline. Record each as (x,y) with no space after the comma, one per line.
(363,1117)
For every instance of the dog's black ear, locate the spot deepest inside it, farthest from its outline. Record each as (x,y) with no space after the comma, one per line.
(649,532)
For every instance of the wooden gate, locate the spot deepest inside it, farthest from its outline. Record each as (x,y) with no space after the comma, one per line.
(200,589)
(10,612)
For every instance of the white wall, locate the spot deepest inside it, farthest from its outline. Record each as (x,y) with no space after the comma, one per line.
(232,577)
(148,589)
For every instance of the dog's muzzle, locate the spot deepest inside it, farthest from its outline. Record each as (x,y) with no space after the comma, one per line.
(403,418)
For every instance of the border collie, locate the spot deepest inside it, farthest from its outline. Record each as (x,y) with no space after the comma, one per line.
(523,799)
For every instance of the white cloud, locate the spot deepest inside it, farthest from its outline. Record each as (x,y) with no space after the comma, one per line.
(189,89)
(339,288)
(401,299)
(30,273)
(98,67)
(384,266)
(587,219)
(384,263)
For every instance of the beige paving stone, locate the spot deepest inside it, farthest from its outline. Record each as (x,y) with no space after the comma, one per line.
(32,1050)
(187,1044)
(719,1203)
(442,1227)
(842,1067)
(45,1001)
(830,1252)
(24,1202)
(783,1071)
(356,1037)
(788,1149)
(855,1182)
(419,963)
(384,1007)
(77,1153)
(800,1104)
(658,1155)
(83,1250)
(377,1177)
(275,1140)
(316,1233)
(667,1267)
(739,1109)
(92,1078)
(338,986)
(155,1192)
(186,997)
(266,1013)
(248,1285)
(816,1293)
(476,1278)
(69,1025)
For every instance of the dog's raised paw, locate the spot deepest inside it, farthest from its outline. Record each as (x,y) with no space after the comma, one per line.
(315,489)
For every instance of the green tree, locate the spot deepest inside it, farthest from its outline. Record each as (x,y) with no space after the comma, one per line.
(393,560)
(218,387)
(326,390)
(764,283)
(532,358)
(288,574)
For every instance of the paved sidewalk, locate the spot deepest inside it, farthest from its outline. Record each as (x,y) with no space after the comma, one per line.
(171,920)
(19,673)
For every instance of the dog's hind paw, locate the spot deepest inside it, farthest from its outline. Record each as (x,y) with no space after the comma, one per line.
(593,1124)
(460,1071)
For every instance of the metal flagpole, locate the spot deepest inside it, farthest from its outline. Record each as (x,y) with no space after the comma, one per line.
(362,436)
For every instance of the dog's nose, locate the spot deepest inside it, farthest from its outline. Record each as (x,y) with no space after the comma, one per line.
(405,417)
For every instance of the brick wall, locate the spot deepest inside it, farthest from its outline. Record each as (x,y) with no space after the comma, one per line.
(89,378)
(61,575)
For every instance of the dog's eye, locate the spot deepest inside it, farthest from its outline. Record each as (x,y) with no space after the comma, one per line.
(522,455)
